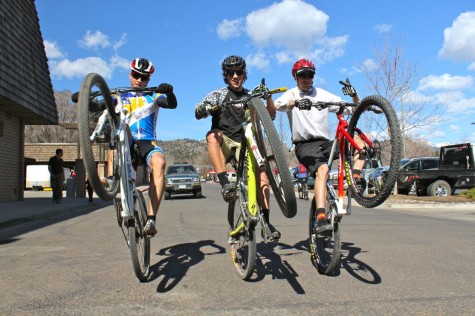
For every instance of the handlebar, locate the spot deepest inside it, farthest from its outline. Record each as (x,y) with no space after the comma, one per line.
(75,96)
(259,94)
(245,99)
(342,104)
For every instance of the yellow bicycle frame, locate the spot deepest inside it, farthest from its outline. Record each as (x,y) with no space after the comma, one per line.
(252,205)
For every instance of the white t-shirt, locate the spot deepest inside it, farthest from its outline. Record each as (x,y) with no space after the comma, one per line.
(312,124)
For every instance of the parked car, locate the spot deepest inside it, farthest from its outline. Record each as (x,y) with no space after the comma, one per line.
(182,179)
(406,178)
(376,178)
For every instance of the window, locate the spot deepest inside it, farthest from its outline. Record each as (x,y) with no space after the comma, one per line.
(429,164)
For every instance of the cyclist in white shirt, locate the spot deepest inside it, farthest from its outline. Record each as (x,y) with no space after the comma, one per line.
(310,129)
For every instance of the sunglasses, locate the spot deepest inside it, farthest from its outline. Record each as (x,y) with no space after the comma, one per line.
(136,76)
(232,72)
(305,75)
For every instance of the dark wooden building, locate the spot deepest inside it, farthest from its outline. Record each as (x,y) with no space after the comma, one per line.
(26,92)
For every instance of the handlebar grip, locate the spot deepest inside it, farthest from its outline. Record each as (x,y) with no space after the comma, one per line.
(278,90)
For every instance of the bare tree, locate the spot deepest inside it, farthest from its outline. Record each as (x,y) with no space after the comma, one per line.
(67,113)
(394,77)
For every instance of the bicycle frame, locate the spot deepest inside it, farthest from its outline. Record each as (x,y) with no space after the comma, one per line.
(341,134)
(251,211)
(127,172)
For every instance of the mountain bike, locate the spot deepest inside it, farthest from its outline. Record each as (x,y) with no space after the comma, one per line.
(260,150)
(383,142)
(102,123)
(302,189)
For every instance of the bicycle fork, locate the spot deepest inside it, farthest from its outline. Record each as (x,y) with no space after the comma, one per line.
(127,172)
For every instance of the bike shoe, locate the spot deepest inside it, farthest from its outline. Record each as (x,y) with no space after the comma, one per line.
(150,228)
(228,191)
(272,233)
(324,228)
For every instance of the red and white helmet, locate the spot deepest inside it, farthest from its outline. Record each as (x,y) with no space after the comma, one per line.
(302,65)
(142,66)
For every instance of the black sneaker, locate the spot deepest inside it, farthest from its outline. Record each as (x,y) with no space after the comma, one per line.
(228,191)
(272,233)
(324,227)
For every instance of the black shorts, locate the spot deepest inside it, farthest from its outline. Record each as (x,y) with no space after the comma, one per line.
(145,149)
(314,153)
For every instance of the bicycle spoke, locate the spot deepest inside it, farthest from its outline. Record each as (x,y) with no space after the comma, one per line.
(378,122)
(325,250)
(93,151)
(276,164)
(242,239)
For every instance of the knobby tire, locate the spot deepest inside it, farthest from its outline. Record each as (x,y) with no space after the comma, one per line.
(325,251)
(139,243)
(87,121)
(243,250)
(271,148)
(384,127)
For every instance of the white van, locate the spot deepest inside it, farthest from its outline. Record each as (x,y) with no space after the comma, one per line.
(38,177)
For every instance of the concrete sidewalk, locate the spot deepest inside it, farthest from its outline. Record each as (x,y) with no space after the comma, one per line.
(39,204)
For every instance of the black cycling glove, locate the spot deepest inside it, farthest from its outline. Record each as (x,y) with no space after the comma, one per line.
(303,104)
(202,110)
(165,88)
(348,88)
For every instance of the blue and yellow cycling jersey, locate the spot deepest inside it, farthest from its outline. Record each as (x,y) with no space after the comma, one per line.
(142,114)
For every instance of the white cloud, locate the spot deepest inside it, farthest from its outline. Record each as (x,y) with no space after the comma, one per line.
(292,29)
(471,66)
(121,42)
(290,24)
(117,62)
(459,41)
(52,50)
(369,64)
(94,40)
(79,68)
(230,28)
(383,28)
(258,60)
(445,82)
(283,57)
(330,49)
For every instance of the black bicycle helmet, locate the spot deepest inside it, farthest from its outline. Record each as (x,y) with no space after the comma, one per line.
(233,62)
(142,66)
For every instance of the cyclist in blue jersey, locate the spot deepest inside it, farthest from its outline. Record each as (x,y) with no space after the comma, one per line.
(224,138)
(142,113)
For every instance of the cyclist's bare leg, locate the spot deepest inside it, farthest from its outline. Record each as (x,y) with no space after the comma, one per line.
(263,198)
(321,186)
(157,183)
(264,193)
(214,139)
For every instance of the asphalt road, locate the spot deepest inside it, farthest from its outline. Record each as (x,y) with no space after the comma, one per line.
(395,262)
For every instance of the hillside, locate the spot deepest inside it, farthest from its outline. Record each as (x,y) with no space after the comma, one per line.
(186,150)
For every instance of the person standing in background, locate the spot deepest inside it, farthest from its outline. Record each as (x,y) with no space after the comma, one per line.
(56,171)
(89,189)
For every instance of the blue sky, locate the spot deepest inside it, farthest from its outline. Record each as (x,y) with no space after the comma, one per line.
(187,40)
